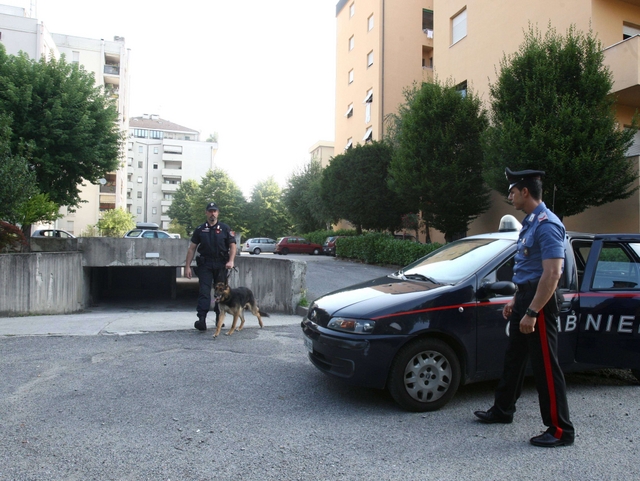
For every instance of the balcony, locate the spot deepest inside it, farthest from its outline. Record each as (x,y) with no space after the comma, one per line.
(108,189)
(170,188)
(177,173)
(624,62)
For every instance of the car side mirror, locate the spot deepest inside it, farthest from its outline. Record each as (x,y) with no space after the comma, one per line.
(490,289)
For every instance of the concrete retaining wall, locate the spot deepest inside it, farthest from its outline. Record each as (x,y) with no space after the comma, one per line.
(46,283)
(61,282)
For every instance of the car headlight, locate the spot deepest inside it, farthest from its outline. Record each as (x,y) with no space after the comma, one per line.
(354,326)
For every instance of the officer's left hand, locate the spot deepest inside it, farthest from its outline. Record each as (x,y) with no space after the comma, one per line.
(527,324)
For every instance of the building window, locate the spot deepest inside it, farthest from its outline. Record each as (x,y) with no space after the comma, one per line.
(370,59)
(168,196)
(459,26)
(139,179)
(349,144)
(352,9)
(130,145)
(75,56)
(351,76)
(154,210)
(164,208)
(155,180)
(629,30)
(462,89)
(427,22)
(140,164)
(155,150)
(370,23)
(139,194)
(139,210)
(130,161)
(352,42)
(349,113)
(155,166)
(368,135)
(140,133)
(139,149)
(156,134)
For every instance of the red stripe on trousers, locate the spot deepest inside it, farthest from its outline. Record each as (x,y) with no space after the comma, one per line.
(544,344)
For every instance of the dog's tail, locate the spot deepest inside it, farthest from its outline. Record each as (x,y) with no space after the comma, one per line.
(263,314)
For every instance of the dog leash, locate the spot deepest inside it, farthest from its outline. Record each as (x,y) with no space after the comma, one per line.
(231,271)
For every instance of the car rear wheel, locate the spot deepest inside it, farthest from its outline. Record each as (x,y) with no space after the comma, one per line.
(424,375)
(284,251)
(256,251)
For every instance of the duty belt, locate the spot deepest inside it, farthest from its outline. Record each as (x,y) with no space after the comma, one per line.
(527,286)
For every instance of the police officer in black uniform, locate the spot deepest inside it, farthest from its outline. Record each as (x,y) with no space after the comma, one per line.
(216,246)
(533,314)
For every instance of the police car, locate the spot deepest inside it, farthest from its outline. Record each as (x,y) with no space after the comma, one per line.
(436,324)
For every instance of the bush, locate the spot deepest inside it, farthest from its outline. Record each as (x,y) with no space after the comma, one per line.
(382,249)
(11,238)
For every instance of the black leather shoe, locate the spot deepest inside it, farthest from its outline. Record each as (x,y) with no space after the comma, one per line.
(200,325)
(490,417)
(548,440)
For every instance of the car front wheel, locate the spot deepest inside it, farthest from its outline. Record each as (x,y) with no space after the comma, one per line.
(424,375)
(316,252)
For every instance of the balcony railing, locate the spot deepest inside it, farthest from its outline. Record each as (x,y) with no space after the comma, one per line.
(112,69)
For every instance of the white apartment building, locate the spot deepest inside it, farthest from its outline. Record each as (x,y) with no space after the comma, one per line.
(109,62)
(160,156)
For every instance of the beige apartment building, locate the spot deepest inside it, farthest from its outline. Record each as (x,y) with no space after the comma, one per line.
(109,62)
(322,151)
(384,46)
(160,156)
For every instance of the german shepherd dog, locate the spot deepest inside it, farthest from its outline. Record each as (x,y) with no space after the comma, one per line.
(234,302)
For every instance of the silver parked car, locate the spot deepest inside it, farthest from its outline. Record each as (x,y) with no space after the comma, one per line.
(53,233)
(258,245)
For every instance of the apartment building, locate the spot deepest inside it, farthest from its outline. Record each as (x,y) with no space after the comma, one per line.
(109,63)
(407,41)
(382,47)
(322,151)
(160,156)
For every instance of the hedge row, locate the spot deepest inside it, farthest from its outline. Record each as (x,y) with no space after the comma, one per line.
(382,249)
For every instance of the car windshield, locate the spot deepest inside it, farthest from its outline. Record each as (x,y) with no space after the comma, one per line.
(455,261)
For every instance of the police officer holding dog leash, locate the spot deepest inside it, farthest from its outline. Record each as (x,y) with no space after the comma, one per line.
(533,314)
(216,245)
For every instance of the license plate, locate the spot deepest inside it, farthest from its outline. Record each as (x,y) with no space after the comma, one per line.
(308,343)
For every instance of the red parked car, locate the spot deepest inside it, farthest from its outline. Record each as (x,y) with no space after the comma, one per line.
(297,245)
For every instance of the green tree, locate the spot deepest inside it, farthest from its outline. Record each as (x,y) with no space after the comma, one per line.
(184,209)
(116,222)
(69,123)
(218,187)
(355,188)
(303,199)
(19,181)
(268,215)
(437,160)
(551,110)
(37,208)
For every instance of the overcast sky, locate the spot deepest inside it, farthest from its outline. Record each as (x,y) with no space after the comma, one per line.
(260,73)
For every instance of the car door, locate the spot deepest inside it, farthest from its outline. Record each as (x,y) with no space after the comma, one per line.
(269,245)
(609,328)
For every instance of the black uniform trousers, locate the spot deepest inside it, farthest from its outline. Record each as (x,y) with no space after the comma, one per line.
(541,347)
(209,273)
